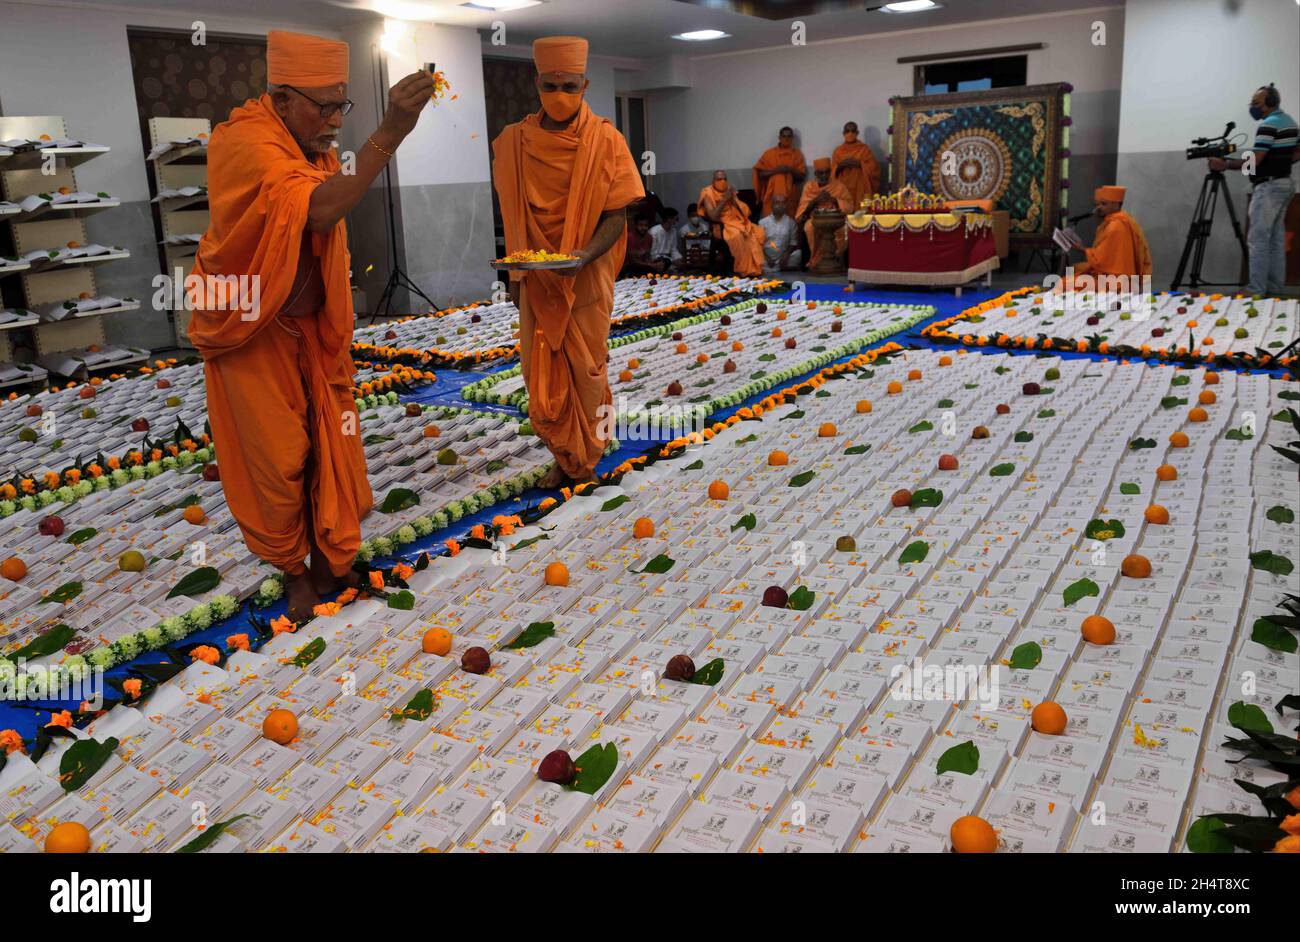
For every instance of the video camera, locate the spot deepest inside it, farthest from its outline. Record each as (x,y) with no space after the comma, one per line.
(1220,146)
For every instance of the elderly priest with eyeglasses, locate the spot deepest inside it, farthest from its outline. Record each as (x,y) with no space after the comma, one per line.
(279,371)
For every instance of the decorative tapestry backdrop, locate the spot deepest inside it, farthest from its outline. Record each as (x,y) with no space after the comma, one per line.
(1005,145)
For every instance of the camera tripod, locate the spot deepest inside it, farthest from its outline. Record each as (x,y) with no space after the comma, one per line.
(1199,231)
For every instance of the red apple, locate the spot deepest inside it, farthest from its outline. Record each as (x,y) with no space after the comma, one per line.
(789,343)
(413,409)
(775,597)
(761,308)
(163,384)
(1093,321)
(674,388)
(1031,389)
(51,526)
(680,667)
(729,366)
(211,472)
(1157,332)
(725,319)
(677,335)
(836,326)
(390,335)
(901,498)
(475,661)
(34,410)
(86,392)
(1003,408)
(140,425)
(556,767)
(947,462)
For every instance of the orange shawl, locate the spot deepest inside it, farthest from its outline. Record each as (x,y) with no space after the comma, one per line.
(782,184)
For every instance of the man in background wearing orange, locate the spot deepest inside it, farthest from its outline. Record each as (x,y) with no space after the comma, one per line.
(854,165)
(279,375)
(1120,246)
(779,171)
(722,206)
(823,193)
(565,178)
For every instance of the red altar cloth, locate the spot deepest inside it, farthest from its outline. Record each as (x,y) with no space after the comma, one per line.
(928,257)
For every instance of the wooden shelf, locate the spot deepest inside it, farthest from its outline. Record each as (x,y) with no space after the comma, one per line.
(84,261)
(21,322)
(13,268)
(35,159)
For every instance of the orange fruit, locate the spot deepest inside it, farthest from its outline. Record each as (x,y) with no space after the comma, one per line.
(737,346)
(13,569)
(1157,515)
(643,528)
(67,837)
(1049,718)
(972,835)
(681,348)
(1166,472)
(718,490)
(1191,323)
(901,498)
(894,387)
(436,641)
(776,331)
(1097,629)
(864,405)
(194,514)
(811,305)
(1211,379)
(777,458)
(1197,414)
(702,358)
(781,315)
(432,431)
(633,363)
(1136,567)
(913,374)
(722,335)
(827,430)
(557,574)
(1207,397)
(280,726)
(625,376)
(945,360)
(1179,440)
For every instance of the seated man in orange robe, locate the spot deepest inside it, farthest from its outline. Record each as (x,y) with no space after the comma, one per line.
(279,371)
(779,171)
(1120,247)
(720,204)
(565,180)
(823,193)
(854,164)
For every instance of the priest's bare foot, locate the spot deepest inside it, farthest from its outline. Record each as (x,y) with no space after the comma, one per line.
(554,478)
(302,596)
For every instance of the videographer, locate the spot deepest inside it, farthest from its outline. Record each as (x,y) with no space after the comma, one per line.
(1274,153)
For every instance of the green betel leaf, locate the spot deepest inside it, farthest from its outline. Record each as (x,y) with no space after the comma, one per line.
(1272,635)
(799,480)
(944,404)
(914,553)
(1104,530)
(594,768)
(1026,656)
(796,414)
(419,708)
(922,426)
(309,652)
(1249,716)
(695,465)
(1272,562)
(963,758)
(1047,414)
(203,579)
(82,535)
(1172,402)
(1280,514)
(801,599)
(1203,837)
(529,542)
(534,634)
(1022,437)
(658,566)
(614,502)
(56,639)
(1238,435)
(402,601)
(926,497)
(1180,381)
(398,499)
(1128,487)
(1001,470)
(376,439)
(1077,590)
(857,449)
(82,760)
(710,673)
(748,522)
(209,836)
(64,593)
(1139,443)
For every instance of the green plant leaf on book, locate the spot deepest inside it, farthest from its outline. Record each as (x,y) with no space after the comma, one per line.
(914,553)
(1203,837)
(926,497)
(64,593)
(1104,530)
(801,599)
(82,536)
(209,835)
(1128,487)
(1248,716)
(799,480)
(1080,589)
(710,673)
(594,767)
(748,522)
(203,579)
(922,426)
(657,566)
(56,639)
(1001,470)
(82,760)
(614,502)
(857,449)
(963,758)
(1268,561)
(1026,656)
(1272,635)
(533,635)
(1280,514)
(403,601)
(309,652)
(398,499)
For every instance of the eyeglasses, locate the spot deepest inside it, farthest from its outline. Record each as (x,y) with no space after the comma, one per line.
(327,108)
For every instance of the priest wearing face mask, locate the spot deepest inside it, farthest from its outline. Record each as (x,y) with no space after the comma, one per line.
(854,165)
(722,206)
(564,178)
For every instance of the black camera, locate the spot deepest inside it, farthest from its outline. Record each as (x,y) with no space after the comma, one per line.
(1203,147)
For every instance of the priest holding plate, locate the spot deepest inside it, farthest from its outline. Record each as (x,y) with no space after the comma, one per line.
(564,178)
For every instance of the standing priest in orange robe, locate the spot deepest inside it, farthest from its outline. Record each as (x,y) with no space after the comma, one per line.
(779,171)
(565,178)
(721,205)
(823,193)
(278,370)
(854,165)
(1120,247)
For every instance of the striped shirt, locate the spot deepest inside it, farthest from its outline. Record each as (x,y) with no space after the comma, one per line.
(1277,137)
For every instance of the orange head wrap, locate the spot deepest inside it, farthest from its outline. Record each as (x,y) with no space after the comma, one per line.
(305,61)
(1110,194)
(560,54)
(822,163)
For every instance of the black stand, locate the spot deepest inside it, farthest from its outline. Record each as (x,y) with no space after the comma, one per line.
(1198,233)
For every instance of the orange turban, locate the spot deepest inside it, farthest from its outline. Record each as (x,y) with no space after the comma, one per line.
(1110,194)
(306,61)
(560,54)
(822,163)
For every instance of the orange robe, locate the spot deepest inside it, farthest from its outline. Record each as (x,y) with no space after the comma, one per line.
(743,238)
(860,181)
(781,184)
(553,187)
(1120,248)
(279,389)
(811,192)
